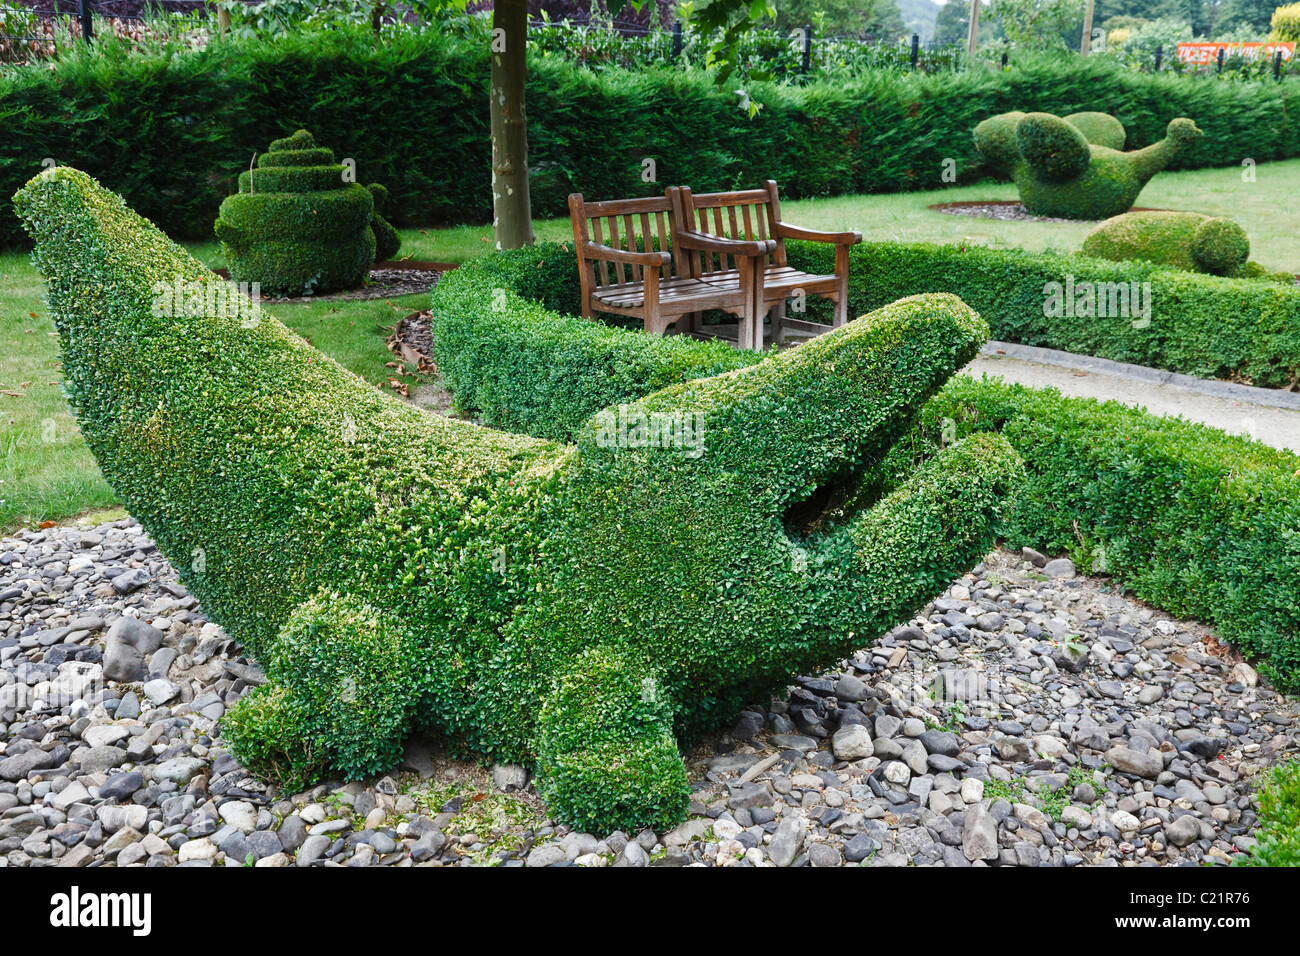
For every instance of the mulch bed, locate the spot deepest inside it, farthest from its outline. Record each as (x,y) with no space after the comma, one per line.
(1007,209)
(387,280)
(412,340)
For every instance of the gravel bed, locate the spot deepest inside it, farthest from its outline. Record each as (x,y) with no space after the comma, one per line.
(1028,717)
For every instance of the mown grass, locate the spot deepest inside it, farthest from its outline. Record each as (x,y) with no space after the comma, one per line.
(47,473)
(1267,208)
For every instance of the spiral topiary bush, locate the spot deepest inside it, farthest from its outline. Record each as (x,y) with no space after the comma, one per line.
(1064,167)
(297,227)
(582,607)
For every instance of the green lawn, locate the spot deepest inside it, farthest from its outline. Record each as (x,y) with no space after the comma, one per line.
(1268,209)
(46,472)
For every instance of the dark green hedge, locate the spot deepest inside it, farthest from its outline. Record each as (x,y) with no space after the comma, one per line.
(1193,520)
(578,607)
(170,130)
(1240,329)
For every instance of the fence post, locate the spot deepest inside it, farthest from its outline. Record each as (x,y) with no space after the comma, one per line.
(677,39)
(1277,64)
(84,14)
(807,47)
(916,49)
(1004,59)
(1219,68)
(1160,55)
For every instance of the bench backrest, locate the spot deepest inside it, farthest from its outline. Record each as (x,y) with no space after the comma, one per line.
(635,225)
(747,214)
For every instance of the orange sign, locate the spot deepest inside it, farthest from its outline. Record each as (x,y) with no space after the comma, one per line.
(1203,53)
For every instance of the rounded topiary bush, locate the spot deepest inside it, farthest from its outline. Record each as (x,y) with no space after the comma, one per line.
(1185,240)
(1055,150)
(296,227)
(1100,129)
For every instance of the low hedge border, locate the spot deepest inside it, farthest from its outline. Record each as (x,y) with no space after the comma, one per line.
(1242,330)
(1199,522)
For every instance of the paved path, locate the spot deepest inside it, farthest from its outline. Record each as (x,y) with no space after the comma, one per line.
(1267,415)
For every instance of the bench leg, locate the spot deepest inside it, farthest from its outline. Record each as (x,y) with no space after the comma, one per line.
(778,322)
(842,287)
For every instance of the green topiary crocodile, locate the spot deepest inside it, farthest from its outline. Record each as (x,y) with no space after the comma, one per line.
(1060,172)
(580,608)
(297,227)
(1184,240)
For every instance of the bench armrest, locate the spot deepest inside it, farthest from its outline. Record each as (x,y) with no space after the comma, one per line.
(787,231)
(594,250)
(689,239)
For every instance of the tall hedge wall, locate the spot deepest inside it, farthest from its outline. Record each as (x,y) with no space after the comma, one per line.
(1239,329)
(1199,522)
(168,130)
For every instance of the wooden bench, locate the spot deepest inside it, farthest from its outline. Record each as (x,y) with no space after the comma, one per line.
(625,266)
(664,261)
(755,214)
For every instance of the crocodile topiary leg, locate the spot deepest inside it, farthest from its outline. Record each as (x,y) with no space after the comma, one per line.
(607,758)
(343,688)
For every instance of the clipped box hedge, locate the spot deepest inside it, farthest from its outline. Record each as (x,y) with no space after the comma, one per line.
(1245,330)
(168,130)
(579,607)
(1199,522)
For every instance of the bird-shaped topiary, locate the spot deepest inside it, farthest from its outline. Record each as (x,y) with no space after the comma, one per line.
(1184,240)
(297,226)
(1060,173)
(577,607)
(995,137)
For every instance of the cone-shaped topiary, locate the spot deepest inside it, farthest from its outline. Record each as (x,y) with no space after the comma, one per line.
(295,226)
(1060,173)
(577,607)
(995,137)
(1184,240)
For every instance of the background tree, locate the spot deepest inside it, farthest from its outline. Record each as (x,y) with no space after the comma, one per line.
(878,19)
(1039,24)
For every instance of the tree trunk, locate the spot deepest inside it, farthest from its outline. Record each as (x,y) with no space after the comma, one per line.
(511,208)
(973,30)
(1085,42)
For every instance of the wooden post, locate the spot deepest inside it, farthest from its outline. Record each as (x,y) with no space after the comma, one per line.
(1277,64)
(973,33)
(677,40)
(223,20)
(916,49)
(1085,43)
(511,206)
(1160,54)
(85,14)
(807,47)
